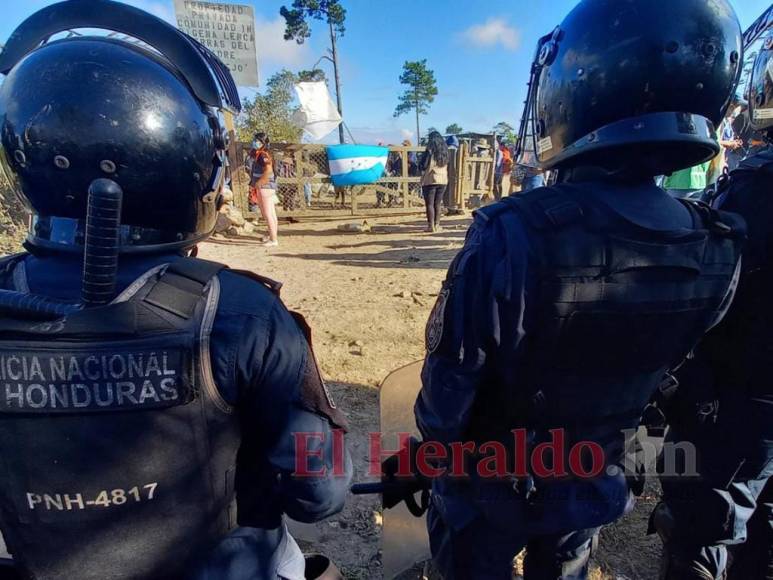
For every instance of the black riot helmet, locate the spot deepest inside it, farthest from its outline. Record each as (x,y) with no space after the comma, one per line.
(143,111)
(629,82)
(761,88)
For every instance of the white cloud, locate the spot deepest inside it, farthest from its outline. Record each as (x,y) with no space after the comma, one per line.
(495,31)
(273,49)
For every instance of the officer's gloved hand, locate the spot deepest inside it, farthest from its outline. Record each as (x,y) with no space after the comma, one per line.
(656,414)
(401,479)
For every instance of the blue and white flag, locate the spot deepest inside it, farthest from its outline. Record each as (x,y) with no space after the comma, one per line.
(356,164)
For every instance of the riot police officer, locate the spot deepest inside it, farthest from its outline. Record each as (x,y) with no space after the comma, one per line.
(150,401)
(567,304)
(723,403)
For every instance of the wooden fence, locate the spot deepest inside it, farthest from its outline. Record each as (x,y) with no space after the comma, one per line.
(303,174)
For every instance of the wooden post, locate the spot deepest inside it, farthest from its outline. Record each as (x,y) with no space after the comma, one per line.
(463,171)
(453,178)
(243,179)
(298,158)
(236,171)
(405,186)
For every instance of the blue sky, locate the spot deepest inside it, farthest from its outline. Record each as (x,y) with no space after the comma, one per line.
(480,51)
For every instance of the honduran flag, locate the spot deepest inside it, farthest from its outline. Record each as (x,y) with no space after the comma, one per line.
(356,164)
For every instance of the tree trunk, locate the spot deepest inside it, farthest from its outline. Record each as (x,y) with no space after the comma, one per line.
(338,83)
(416,108)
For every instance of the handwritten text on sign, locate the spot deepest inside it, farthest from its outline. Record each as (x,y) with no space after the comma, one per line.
(228,30)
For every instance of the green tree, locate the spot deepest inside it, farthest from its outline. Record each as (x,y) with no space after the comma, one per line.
(272,111)
(297,28)
(420,92)
(506,130)
(312,75)
(454,129)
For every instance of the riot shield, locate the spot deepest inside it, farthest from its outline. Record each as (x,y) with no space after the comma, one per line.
(404,538)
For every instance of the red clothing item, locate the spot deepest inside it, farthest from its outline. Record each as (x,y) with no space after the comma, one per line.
(507,160)
(261,159)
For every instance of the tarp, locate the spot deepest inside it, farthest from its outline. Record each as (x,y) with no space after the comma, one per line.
(356,164)
(318,115)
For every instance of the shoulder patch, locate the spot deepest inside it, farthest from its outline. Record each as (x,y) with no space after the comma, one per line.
(434,330)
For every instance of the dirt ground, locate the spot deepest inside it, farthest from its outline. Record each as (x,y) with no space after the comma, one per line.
(367,296)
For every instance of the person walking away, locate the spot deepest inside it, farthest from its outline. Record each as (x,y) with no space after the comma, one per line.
(263,183)
(434,178)
(174,387)
(566,305)
(723,404)
(687,182)
(503,167)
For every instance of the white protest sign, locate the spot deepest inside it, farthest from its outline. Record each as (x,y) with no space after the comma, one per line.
(228,30)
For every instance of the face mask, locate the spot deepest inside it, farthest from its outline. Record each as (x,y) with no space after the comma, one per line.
(257,144)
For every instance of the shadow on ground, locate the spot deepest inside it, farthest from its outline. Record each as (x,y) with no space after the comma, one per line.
(431,251)
(456,228)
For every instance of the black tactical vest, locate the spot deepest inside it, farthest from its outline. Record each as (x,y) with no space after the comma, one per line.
(118,452)
(617,305)
(741,347)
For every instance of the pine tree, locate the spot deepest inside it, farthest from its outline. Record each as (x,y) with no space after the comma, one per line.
(420,92)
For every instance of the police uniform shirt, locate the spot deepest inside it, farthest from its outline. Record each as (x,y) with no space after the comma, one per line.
(260,362)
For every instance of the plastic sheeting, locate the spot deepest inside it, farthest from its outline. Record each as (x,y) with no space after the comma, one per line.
(318,114)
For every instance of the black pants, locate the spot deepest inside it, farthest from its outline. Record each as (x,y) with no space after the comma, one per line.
(433,200)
